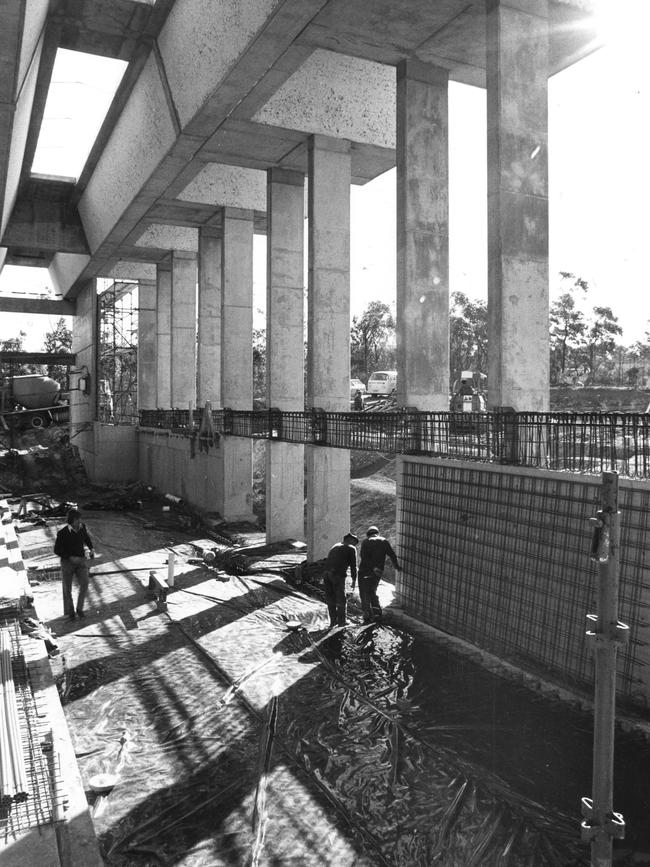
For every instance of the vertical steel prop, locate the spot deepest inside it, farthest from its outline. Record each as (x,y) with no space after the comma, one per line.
(600,823)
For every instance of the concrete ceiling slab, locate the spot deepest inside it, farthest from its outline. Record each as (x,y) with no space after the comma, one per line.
(336,95)
(166,237)
(227,186)
(126,270)
(242,83)
(450,33)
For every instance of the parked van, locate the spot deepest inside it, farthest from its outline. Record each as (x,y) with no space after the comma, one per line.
(382,382)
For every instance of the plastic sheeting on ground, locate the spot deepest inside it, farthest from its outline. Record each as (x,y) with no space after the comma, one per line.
(236,740)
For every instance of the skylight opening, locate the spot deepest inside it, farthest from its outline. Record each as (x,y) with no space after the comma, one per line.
(81,91)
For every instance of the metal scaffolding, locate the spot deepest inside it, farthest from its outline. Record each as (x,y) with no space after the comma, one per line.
(118,353)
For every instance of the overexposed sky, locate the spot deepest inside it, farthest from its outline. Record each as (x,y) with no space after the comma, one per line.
(599,187)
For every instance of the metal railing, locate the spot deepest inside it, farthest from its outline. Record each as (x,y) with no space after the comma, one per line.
(576,442)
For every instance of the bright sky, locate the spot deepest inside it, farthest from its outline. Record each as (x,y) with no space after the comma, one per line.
(599,187)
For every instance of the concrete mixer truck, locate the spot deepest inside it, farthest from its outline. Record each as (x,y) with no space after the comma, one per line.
(31,401)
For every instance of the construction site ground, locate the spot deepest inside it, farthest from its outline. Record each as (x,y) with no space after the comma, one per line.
(239,730)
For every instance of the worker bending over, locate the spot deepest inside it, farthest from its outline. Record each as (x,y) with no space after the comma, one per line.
(341,557)
(374,550)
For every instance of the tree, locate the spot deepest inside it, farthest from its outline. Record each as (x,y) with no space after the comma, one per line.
(600,341)
(566,332)
(372,340)
(566,327)
(468,335)
(13,344)
(59,339)
(259,364)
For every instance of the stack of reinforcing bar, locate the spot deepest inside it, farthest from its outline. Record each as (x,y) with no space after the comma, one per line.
(13,775)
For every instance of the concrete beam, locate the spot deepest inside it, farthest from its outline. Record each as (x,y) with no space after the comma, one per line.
(180,98)
(65,269)
(42,224)
(125,270)
(168,237)
(336,95)
(46,306)
(21,40)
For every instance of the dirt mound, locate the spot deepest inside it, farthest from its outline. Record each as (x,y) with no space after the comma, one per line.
(363,464)
(42,462)
(599,399)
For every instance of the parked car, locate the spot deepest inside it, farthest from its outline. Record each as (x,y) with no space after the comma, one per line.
(382,382)
(355,386)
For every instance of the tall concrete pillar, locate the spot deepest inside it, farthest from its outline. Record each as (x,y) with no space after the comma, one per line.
(328,359)
(517,123)
(183,330)
(163,335)
(147,363)
(422,236)
(83,383)
(285,210)
(209,321)
(237,358)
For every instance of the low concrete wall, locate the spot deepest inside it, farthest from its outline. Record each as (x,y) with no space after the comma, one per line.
(116,453)
(109,452)
(500,556)
(166,461)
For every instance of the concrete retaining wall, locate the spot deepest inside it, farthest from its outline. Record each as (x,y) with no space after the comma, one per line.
(165,461)
(500,557)
(116,453)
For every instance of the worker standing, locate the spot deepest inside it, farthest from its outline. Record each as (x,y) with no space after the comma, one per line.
(341,557)
(69,546)
(374,550)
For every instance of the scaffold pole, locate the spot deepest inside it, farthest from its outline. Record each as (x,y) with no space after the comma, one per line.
(601,825)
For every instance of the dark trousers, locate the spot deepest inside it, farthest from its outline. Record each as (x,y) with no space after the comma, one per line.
(72,567)
(334,586)
(370,606)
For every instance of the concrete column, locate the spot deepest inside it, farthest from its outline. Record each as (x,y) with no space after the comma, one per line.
(163,335)
(183,330)
(284,349)
(422,236)
(517,124)
(147,363)
(83,383)
(237,358)
(209,322)
(328,360)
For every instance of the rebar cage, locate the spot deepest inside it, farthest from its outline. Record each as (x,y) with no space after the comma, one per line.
(574,442)
(500,557)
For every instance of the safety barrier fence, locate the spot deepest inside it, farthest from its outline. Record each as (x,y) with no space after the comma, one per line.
(576,442)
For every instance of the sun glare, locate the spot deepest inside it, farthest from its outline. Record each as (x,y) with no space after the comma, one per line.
(623,27)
